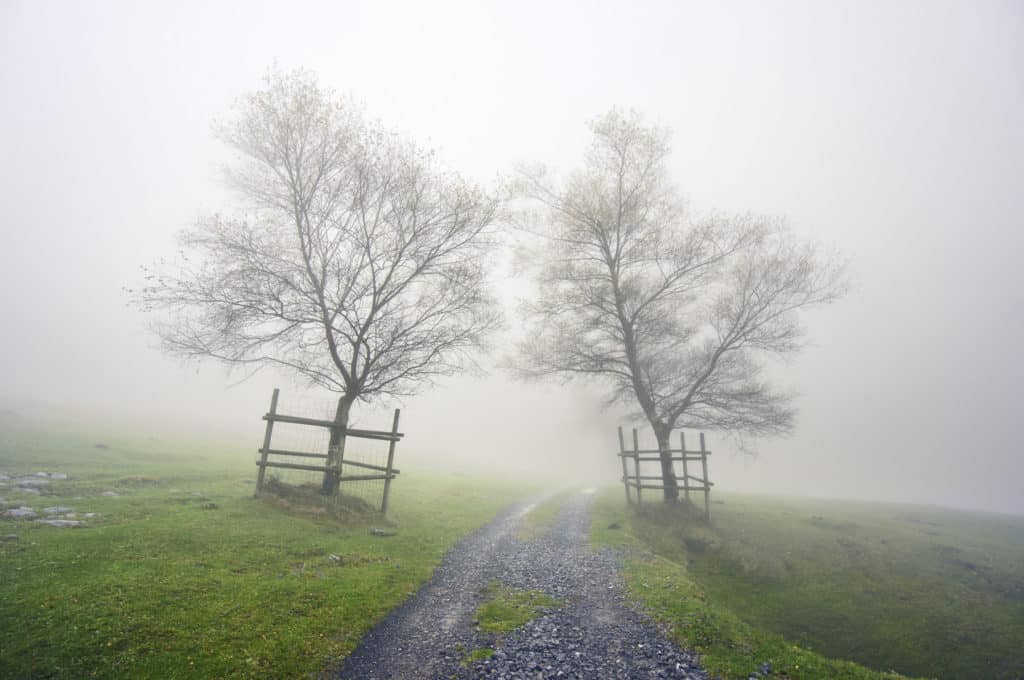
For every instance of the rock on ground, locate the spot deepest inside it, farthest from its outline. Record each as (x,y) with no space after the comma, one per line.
(32,481)
(57,510)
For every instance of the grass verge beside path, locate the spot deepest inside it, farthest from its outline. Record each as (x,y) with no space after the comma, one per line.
(729,647)
(925,590)
(184,574)
(928,591)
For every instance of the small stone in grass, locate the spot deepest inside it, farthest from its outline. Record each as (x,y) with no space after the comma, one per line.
(61,523)
(57,510)
(23,511)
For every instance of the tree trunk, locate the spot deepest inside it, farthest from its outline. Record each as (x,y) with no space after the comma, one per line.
(668,473)
(336,448)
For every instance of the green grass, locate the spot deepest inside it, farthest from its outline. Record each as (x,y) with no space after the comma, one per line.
(504,609)
(479,654)
(928,591)
(184,574)
(925,591)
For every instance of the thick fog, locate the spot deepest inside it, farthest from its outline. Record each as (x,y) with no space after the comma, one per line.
(891,132)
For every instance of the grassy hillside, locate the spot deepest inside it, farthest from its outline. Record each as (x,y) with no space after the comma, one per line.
(183,574)
(923,591)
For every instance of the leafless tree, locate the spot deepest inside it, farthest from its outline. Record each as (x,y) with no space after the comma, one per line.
(675,314)
(359,265)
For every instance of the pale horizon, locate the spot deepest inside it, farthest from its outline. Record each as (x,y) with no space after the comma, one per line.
(888,132)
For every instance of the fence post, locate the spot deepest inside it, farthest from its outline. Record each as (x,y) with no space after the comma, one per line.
(686,471)
(266,442)
(625,474)
(636,466)
(707,487)
(391,460)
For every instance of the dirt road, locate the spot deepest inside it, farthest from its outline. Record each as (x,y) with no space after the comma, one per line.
(594,635)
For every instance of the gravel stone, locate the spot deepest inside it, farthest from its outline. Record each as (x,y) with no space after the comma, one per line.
(32,481)
(593,635)
(57,510)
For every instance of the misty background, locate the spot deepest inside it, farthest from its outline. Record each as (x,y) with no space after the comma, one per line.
(891,132)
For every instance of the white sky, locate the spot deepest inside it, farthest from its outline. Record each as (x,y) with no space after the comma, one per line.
(893,132)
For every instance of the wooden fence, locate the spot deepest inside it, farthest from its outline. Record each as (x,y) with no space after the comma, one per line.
(385,473)
(638,481)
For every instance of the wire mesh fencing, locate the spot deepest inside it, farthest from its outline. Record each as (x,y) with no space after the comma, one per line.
(297,463)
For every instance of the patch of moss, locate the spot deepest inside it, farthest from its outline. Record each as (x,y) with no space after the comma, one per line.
(477,655)
(505,609)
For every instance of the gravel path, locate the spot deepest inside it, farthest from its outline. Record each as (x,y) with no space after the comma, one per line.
(595,635)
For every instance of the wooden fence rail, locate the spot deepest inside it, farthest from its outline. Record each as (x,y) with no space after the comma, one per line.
(388,472)
(686,482)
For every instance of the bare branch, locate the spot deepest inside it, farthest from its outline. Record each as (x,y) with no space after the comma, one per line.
(673,314)
(361,266)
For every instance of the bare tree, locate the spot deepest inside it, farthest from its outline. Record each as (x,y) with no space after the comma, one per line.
(360,265)
(675,314)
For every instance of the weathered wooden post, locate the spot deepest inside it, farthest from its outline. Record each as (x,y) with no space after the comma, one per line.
(707,485)
(264,452)
(636,466)
(625,474)
(686,471)
(391,463)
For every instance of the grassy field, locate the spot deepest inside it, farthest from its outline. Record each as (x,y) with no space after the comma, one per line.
(795,582)
(184,574)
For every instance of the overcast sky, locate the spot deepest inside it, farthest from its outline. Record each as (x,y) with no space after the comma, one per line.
(891,131)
